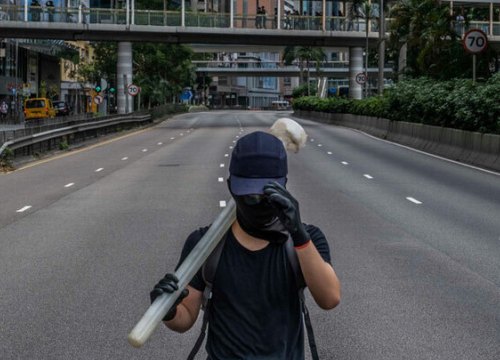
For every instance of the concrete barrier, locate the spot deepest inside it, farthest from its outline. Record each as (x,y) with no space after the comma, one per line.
(474,148)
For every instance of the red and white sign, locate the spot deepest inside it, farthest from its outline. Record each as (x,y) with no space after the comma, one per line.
(361,78)
(475,41)
(133,90)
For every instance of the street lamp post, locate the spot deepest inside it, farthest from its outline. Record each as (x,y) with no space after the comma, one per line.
(381,49)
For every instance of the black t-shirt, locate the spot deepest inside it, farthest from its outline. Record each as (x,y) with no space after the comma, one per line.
(255,310)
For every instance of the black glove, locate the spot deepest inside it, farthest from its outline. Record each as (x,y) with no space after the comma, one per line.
(168,285)
(287,210)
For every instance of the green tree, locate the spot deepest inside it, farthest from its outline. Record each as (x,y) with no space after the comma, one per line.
(434,48)
(305,56)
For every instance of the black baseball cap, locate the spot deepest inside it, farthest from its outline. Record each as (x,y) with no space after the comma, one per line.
(257,159)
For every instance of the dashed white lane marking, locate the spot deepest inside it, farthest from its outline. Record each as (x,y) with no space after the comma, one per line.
(234,141)
(182,134)
(413,200)
(368,176)
(69,185)
(222,203)
(226,155)
(329,153)
(172,138)
(144,150)
(312,140)
(23,209)
(220,179)
(221,165)
(160,143)
(345,163)
(124,158)
(230,147)
(320,145)
(99,170)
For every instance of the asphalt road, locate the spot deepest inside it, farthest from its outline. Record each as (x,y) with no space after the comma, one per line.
(84,236)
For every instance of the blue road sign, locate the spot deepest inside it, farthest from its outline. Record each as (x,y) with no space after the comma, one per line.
(186,95)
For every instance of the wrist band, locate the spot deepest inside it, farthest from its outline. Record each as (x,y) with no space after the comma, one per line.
(303,246)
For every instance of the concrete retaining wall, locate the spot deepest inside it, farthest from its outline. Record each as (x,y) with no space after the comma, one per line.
(474,148)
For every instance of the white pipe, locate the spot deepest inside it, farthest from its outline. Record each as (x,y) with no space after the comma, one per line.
(183,14)
(133,12)
(232,14)
(157,311)
(279,16)
(26,10)
(127,13)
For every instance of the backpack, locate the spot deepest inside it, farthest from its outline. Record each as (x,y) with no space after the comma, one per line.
(208,271)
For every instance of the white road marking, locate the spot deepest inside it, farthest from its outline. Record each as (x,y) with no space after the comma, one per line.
(413,200)
(160,143)
(221,165)
(124,158)
(345,163)
(144,150)
(230,147)
(182,134)
(312,140)
(329,153)
(234,141)
(222,203)
(226,155)
(221,179)
(69,185)
(368,176)
(99,170)
(23,209)
(320,145)
(172,138)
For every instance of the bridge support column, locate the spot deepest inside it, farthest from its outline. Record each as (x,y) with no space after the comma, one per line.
(125,102)
(355,67)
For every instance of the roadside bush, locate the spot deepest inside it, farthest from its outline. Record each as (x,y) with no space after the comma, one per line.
(456,103)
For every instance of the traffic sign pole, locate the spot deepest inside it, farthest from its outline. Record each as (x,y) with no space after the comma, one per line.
(475,41)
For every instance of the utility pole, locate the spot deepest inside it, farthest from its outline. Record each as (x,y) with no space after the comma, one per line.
(381,49)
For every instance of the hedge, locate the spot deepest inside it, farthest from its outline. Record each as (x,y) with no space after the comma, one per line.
(456,104)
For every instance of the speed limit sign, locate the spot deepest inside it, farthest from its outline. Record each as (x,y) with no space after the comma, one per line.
(361,78)
(475,41)
(133,90)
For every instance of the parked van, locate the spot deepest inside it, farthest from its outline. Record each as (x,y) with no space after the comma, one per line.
(281,105)
(38,108)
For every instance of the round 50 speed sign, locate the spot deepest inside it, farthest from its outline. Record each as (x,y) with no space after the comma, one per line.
(475,41)
(133,90)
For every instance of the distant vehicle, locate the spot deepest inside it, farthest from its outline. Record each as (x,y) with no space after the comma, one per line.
(62,108)
(38,108)
(280,105)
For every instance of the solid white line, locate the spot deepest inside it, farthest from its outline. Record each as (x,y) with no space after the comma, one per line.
(221,165)
(99,170)
(368,176)
(220,179)
(345,163)
(23,209)
(69,185)
(124,158)
(222,203)
(429,154)
(413,200)
(329,153)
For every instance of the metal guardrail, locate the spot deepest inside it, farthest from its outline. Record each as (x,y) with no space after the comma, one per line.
(30,136)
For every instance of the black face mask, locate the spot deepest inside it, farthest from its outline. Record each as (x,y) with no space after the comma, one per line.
(257,218)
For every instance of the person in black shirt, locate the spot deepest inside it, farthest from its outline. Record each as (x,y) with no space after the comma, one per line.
(255,311)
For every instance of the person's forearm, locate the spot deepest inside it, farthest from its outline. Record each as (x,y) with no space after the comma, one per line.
(319,277)
(182,321)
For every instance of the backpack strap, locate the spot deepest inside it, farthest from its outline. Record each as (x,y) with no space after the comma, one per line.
(301,284)
(208,271)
